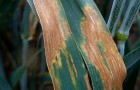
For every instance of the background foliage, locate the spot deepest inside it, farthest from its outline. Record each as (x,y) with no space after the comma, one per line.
(22,58)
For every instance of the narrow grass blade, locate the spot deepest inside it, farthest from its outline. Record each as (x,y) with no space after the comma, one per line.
(130,80)
(25,33)
(32,80)
(115,14)
(16,75)
(138,22)
(19,72)
(32,6)
(130,15)
(43,58)
(4,85)
(136,45)
(132,62)
(132,58)
(123,32)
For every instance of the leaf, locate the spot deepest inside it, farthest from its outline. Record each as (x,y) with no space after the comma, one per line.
(123,32)
(78,46)
(132,63)
(32,6)
(129,17)
(115,14)
(4,85)
(32,80)
(138,23)
(136,45)
(25,22)
(130,80)
(16,75)
(132,58)
(45,80)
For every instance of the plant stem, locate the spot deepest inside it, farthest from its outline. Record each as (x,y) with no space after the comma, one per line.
(43,59)
(123,32)
(25,49)
(115,14)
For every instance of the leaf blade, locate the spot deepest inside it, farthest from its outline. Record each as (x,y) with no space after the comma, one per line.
(132,58)
(16,75)
(4,85)
(67,43)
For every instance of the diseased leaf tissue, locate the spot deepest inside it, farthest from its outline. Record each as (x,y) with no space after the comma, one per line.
(78,46)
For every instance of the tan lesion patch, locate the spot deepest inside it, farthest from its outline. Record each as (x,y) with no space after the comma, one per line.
(55,32)
(55,28)
(94,31)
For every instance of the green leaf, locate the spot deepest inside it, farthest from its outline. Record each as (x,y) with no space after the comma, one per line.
(123,32)
(131,12)
(132,62)
(32,80)
(132,58)
(115,14)
(4,85)
(136,45)
(25,22)
(138,23)
(130,80)
(32,6)
(73,30)
(16,75)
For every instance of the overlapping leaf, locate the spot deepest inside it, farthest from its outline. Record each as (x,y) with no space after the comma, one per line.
(115,14)
(78,46)
(132,63)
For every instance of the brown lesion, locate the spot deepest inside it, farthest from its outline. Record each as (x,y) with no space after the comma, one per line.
(52,25)
(94,32)
(55,32)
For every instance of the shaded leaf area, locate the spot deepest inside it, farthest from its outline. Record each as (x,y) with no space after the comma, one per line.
(4,84)
(132,58)
(16,75)
(7,12)
(19,46)
(104,7)
(132,63)
(78,46)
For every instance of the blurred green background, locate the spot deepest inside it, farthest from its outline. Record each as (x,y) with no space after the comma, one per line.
(22,56)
